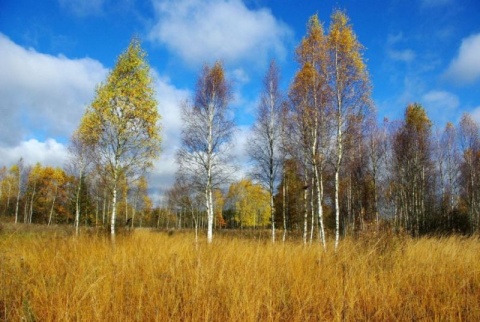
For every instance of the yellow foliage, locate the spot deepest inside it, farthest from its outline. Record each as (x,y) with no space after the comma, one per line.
(123,121)
(251,203)
(416,117)
(343,42)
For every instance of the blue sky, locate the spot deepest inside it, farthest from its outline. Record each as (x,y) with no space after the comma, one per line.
(54,52)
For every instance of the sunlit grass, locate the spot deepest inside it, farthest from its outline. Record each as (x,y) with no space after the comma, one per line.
(151,276)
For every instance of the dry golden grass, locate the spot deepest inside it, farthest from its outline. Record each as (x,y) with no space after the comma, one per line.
(151,276)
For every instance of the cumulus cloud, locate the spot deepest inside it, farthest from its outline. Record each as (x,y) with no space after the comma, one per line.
(42,99)
(465,68)
(41,93)
(204,30)
(169,100)
(32,151)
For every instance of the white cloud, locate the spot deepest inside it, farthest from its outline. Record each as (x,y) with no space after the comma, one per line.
(201,31)
(42,99)
(475,113)
(441,100)
(169,100)
(465,68)
(32,151)
(241,139)
(406,55)
(42,94)
(239,76)
(441,106)
(413,87)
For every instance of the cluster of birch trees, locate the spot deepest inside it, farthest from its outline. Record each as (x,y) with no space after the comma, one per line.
(324,112)
(47,195)
(324,161)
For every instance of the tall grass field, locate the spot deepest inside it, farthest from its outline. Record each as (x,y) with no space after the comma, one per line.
(155,276)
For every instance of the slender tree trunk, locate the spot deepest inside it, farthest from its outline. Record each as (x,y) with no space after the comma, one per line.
(114,205)
(25,211)
(312,210)
(284,206)
(337,210)
(305,216)
(195,222)
(337,179)
(18,193)
(126,199)
(209,214)
(96,211)
(209,174)
(29,219)
(272,211)
(53,204)
(8,198)
(77,204)
(319,179)
(134,210)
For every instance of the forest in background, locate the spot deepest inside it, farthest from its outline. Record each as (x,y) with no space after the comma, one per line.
(324,164)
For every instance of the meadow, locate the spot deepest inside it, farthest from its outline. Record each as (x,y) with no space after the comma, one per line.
(52,275)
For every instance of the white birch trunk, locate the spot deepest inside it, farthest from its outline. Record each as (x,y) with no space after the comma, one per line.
(209,174)
(284,205)
(53,204)
(305,218)
(30,215)
(319,179)
(209,215)
(18,193)
(8,197)
(337,210)
(271,165)
(312,211)
(272,209)
(337,183)
(77,205)
(114,205)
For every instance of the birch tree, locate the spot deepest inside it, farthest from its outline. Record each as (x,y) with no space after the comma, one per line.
(265,147)
(206,135)
(17,171)
(81,156)
(122,123)
(412,167)
(469,135)
(5,189)
(141,201)
(349,84)
(376,142)
(447,160)
(309,95)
